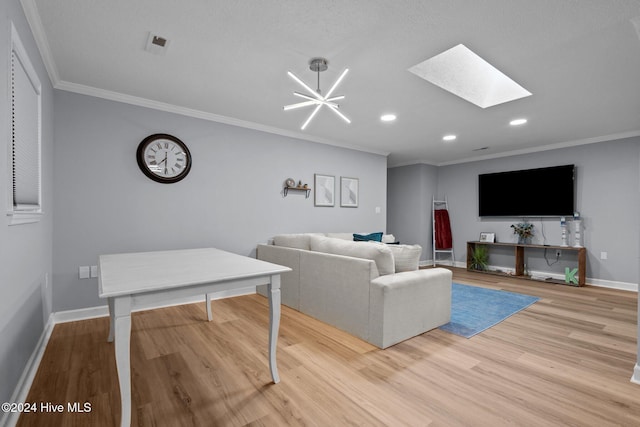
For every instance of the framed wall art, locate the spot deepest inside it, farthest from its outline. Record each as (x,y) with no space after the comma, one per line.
(349,192)
(488,237)
(324,190)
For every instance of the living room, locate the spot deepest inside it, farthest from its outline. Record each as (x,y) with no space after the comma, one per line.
(97,201)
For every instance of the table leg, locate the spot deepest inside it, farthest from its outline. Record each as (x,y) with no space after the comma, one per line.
(112,320)
(123,357)
(274,322)
(209,313)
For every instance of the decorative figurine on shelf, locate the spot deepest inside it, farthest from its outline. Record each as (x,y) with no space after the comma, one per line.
(300,184)
(563,231)
(577,224)
(524,230)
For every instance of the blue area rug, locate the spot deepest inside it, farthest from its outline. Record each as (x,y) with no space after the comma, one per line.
(475,309)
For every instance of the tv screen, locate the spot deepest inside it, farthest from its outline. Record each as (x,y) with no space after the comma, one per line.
(532,192)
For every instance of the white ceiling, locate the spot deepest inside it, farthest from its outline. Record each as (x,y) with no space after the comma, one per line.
(228,60)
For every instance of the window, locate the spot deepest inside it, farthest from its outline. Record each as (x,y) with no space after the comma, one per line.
(24,204)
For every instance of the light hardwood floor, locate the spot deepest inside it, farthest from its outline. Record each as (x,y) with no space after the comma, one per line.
(565,360)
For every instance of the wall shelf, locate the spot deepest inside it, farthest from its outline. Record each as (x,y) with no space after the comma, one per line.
(306,190)
(519,249)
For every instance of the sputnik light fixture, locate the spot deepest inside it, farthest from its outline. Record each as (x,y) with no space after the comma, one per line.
(317,99)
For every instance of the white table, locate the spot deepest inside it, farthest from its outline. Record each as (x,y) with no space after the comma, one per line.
(135,280)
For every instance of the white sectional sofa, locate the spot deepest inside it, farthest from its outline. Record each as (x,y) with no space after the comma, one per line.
(374,291)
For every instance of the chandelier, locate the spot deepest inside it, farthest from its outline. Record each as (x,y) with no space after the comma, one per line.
(316,98)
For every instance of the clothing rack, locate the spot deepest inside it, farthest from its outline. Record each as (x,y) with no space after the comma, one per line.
(442,239)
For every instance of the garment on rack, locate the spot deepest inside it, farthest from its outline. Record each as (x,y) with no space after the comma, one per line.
(443,229)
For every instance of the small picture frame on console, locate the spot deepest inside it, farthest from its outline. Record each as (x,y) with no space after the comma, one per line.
(488,237)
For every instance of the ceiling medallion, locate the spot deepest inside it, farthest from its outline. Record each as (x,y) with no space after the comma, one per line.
(317,65)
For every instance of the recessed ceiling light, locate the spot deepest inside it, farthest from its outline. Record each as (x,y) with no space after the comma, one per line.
(518,122)
(449,137)
(388,117)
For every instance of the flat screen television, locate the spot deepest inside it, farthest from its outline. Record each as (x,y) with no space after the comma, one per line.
(526,193)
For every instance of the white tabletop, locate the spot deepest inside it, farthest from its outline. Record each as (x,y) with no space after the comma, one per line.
(132,273)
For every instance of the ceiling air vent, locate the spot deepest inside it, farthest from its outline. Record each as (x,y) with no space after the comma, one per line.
(156,44)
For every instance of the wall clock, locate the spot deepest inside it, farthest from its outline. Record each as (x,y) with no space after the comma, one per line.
(164,158)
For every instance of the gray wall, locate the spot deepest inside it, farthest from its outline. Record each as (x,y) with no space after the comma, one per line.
(409,195)
(607,187)
(25,250)
(232,198)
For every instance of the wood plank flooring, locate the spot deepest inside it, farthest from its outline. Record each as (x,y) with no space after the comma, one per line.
(565,360)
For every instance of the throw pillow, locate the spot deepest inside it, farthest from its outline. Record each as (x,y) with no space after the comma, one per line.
(388,238)
(406,257)
(376,237)
(377,252)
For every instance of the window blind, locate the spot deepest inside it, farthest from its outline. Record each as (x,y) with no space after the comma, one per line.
(25,136)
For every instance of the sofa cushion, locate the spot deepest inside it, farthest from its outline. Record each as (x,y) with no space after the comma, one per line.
(296,241)
(406,257)
(374,237)
(377,252)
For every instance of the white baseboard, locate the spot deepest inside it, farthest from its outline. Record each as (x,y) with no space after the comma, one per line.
(103,310)
(623,286)
(80,314)
(636,374)
(21,391)
(10,419)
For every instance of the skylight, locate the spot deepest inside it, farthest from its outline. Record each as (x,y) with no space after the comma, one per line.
(465,74)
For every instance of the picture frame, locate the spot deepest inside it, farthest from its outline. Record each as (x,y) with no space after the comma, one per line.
(324,191)
(487,237)
(349,192)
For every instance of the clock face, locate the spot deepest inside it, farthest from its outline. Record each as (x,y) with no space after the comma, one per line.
(164,158)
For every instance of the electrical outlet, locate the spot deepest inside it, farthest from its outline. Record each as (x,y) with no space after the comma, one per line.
(558,253)
(83,272)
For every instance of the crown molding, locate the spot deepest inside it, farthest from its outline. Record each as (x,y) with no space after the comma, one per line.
(199,114)
(566,144)
(413,162)
(33,19)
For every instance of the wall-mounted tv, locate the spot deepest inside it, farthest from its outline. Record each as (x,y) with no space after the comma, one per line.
(526,193)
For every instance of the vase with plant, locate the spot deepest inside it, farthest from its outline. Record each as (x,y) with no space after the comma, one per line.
(479,258)
(524,230)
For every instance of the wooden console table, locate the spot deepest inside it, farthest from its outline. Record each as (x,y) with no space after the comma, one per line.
(519,259)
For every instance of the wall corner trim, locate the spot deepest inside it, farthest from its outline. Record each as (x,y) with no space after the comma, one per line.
(24,383)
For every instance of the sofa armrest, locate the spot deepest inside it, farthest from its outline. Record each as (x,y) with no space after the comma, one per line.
(407,304)
(289,281)
(335,289)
